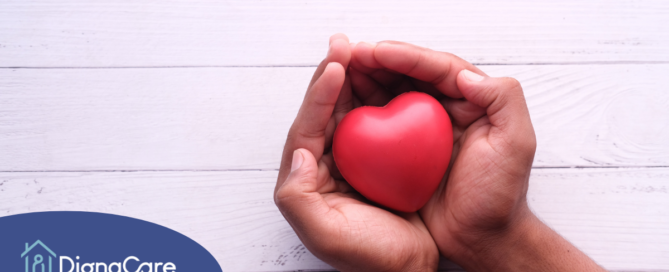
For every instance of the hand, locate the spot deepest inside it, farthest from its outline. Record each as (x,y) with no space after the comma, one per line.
(332,220)
(479,216)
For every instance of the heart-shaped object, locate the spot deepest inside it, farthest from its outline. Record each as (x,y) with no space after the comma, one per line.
(395,155)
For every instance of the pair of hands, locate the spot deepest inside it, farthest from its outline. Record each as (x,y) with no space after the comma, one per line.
(478,217)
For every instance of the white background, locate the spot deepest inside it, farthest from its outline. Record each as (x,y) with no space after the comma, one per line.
(176,112)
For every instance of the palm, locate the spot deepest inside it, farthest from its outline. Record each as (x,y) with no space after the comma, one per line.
(368,229)
(476,182)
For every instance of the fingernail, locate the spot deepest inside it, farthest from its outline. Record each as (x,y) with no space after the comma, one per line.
(297,160)
(329,50)
(352,45)
(471,76)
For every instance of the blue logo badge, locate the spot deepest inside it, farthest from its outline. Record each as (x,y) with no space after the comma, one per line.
(96,242)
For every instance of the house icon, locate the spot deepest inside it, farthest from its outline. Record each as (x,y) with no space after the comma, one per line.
(38,260)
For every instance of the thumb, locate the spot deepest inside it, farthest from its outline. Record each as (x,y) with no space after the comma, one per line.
(505,105)
(298,198)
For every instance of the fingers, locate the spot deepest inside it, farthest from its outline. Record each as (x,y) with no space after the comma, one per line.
(319,104)
(368,90)
(463,112)
(343,105)
(345,101)
(339,51)
(438,68)
(338,36)
(505,107)
(329,161)
(298,198)
(362,59)
(312,119)
(376,81)
(308,129)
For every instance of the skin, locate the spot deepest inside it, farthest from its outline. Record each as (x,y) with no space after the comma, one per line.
(478,217)
(332,220)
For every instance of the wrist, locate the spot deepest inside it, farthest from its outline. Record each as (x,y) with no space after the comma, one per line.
(490,249)
(526,244)
(415,264)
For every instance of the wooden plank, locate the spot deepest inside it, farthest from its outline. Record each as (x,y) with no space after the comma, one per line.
(237,118)
(606,212)
(208,32)
(231,214)
(120,119)
(617,216)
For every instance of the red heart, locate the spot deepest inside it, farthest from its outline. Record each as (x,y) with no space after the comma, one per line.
(395,155)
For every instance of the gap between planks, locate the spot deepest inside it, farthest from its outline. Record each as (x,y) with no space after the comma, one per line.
(276,169)
(315,65)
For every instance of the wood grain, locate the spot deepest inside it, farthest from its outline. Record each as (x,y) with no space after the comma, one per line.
(194,98)
(617,216)
(237,118)
(133,33)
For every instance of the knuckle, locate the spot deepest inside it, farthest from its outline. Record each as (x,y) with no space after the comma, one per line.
(511,83)
(285,195)
(292,191)
(280,198)
(298,135)
(292,136)
(310,134)
(511,86)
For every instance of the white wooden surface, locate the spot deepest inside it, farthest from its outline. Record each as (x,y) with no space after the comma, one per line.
(175,112)
(256,32)
(618,216)
(237,118)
